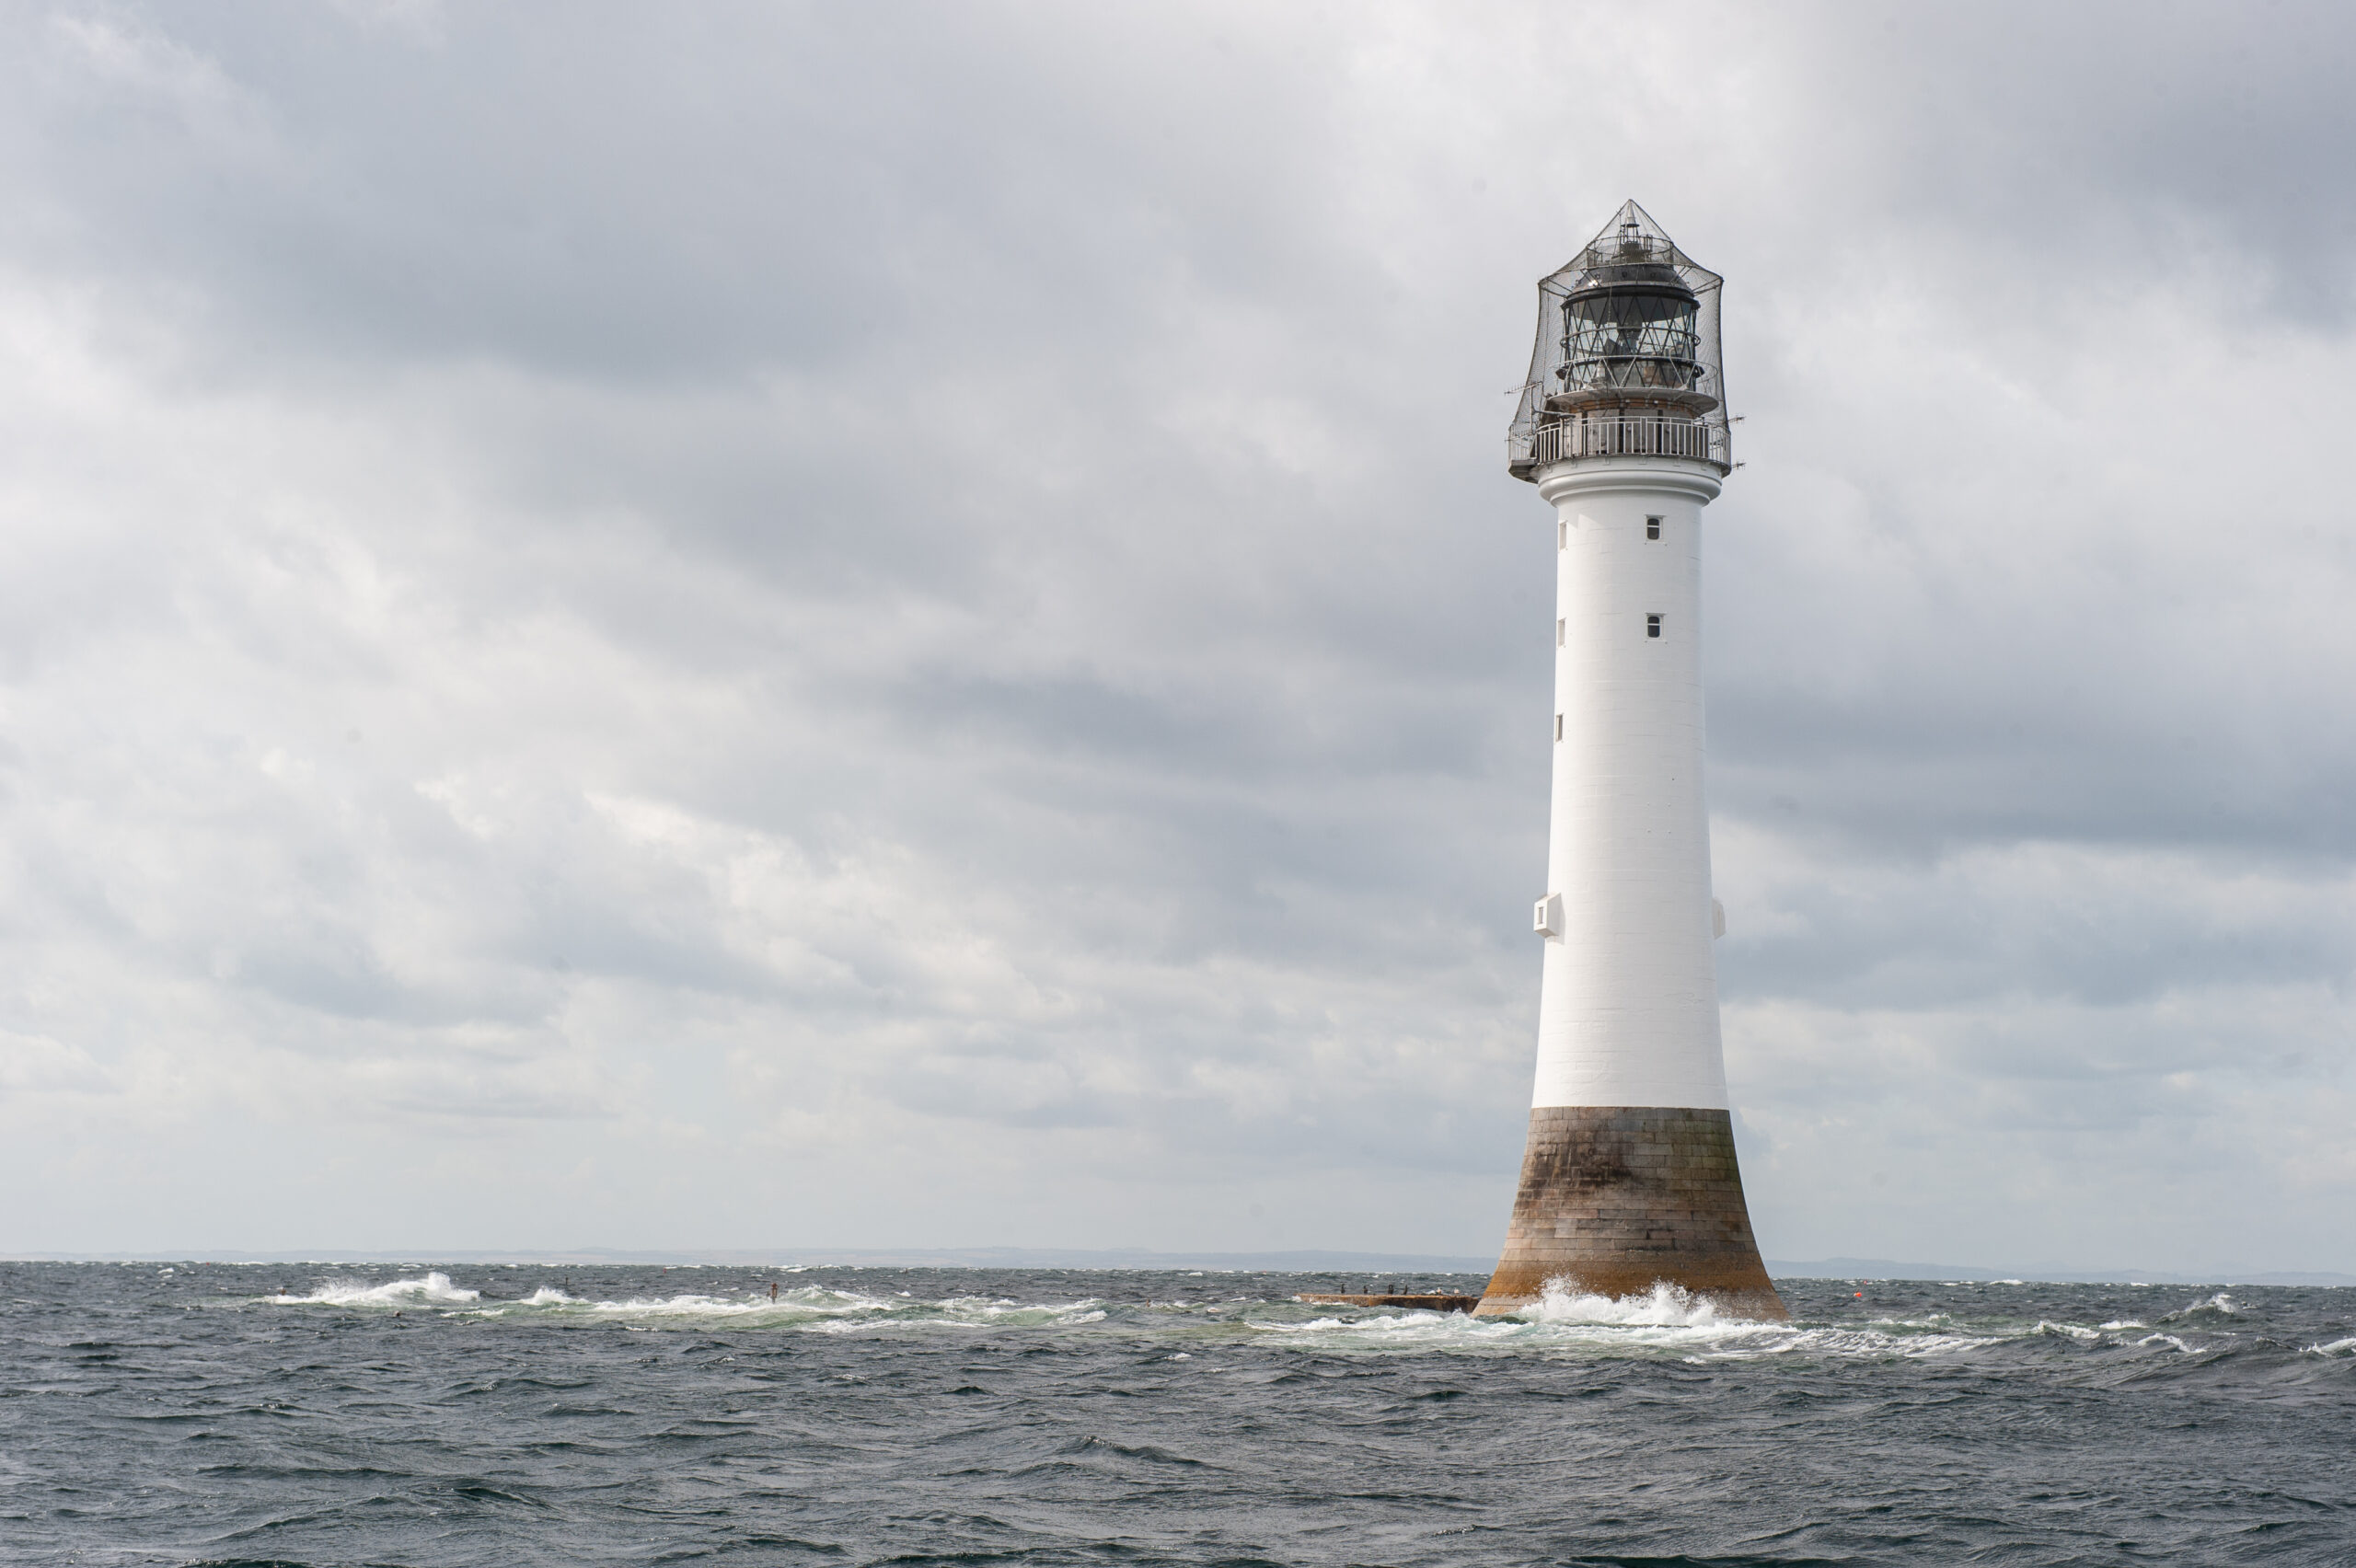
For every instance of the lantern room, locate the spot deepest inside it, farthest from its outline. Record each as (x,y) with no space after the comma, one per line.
(1627,361)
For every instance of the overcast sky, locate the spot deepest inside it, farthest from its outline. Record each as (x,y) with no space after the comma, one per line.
(903,624)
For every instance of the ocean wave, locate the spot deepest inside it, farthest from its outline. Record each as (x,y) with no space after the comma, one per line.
(817,1308)
(1664,1323)
(433,1289)
(2218,1305)
(1665,1306)
(2336,1348)
(1698,1342)
(2068,1331)
(810,1307)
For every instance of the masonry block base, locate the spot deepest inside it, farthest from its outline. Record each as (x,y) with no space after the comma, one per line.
(1615,1198)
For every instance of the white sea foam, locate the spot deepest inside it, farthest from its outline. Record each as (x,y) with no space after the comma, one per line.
(1644,1325)
(433,1290)
(1664,1321)
(2083,1335)
(1379,1325)
(2336,1348)
(1665,1306)
(814,1309)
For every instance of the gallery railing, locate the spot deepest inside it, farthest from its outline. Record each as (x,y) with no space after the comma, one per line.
(1573,438)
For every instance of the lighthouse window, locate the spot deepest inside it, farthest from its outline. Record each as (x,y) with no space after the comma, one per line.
(1558,726)
(1652,527)
(1562,536)
(1558,632)
(1652,625)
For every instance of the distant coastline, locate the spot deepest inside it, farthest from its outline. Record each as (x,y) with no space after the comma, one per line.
(1138,1259)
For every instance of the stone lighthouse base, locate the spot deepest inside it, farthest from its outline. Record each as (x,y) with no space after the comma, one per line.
(1616,1198)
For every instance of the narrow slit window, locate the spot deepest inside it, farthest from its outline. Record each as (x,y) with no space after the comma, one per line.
(1652,527)
(1562,536)
(1652,625)
(1559,632)
(1558,726)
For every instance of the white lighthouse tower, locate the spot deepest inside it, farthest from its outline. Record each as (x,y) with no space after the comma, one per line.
(1629,1177)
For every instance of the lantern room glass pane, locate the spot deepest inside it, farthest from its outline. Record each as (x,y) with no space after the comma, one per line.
(1633,336)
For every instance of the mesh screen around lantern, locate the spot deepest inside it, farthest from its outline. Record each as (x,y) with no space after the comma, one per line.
(1631,233)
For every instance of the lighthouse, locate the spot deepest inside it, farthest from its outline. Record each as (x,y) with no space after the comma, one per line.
(1629,1177)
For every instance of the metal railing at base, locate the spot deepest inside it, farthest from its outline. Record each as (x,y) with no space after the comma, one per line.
(1575,439)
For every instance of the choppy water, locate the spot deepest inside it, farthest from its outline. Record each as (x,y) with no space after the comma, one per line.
(317,1415)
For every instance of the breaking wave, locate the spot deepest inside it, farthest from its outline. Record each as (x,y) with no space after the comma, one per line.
(432,1290)
(1665,1306)
(1665,1323)
(2214,1309)
(804,1306)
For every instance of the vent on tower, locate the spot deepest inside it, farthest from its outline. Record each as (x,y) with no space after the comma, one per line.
(1627,362)
(1652,625)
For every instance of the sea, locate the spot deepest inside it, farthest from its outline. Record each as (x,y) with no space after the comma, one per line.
(271,1413)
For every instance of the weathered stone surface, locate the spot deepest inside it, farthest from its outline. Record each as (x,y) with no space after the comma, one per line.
(1614,1198)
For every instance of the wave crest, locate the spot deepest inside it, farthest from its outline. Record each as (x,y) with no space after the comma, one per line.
(2218,1305)
(433,1289)
(1665,1305)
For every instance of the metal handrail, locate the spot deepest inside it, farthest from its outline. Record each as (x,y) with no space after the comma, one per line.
(1572,439)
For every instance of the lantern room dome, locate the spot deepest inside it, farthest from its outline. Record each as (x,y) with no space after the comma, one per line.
(1627,339)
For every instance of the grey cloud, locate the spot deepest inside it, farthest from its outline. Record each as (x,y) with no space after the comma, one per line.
(953,567)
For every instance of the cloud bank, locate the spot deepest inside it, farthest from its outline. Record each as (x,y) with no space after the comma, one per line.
(903,626)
